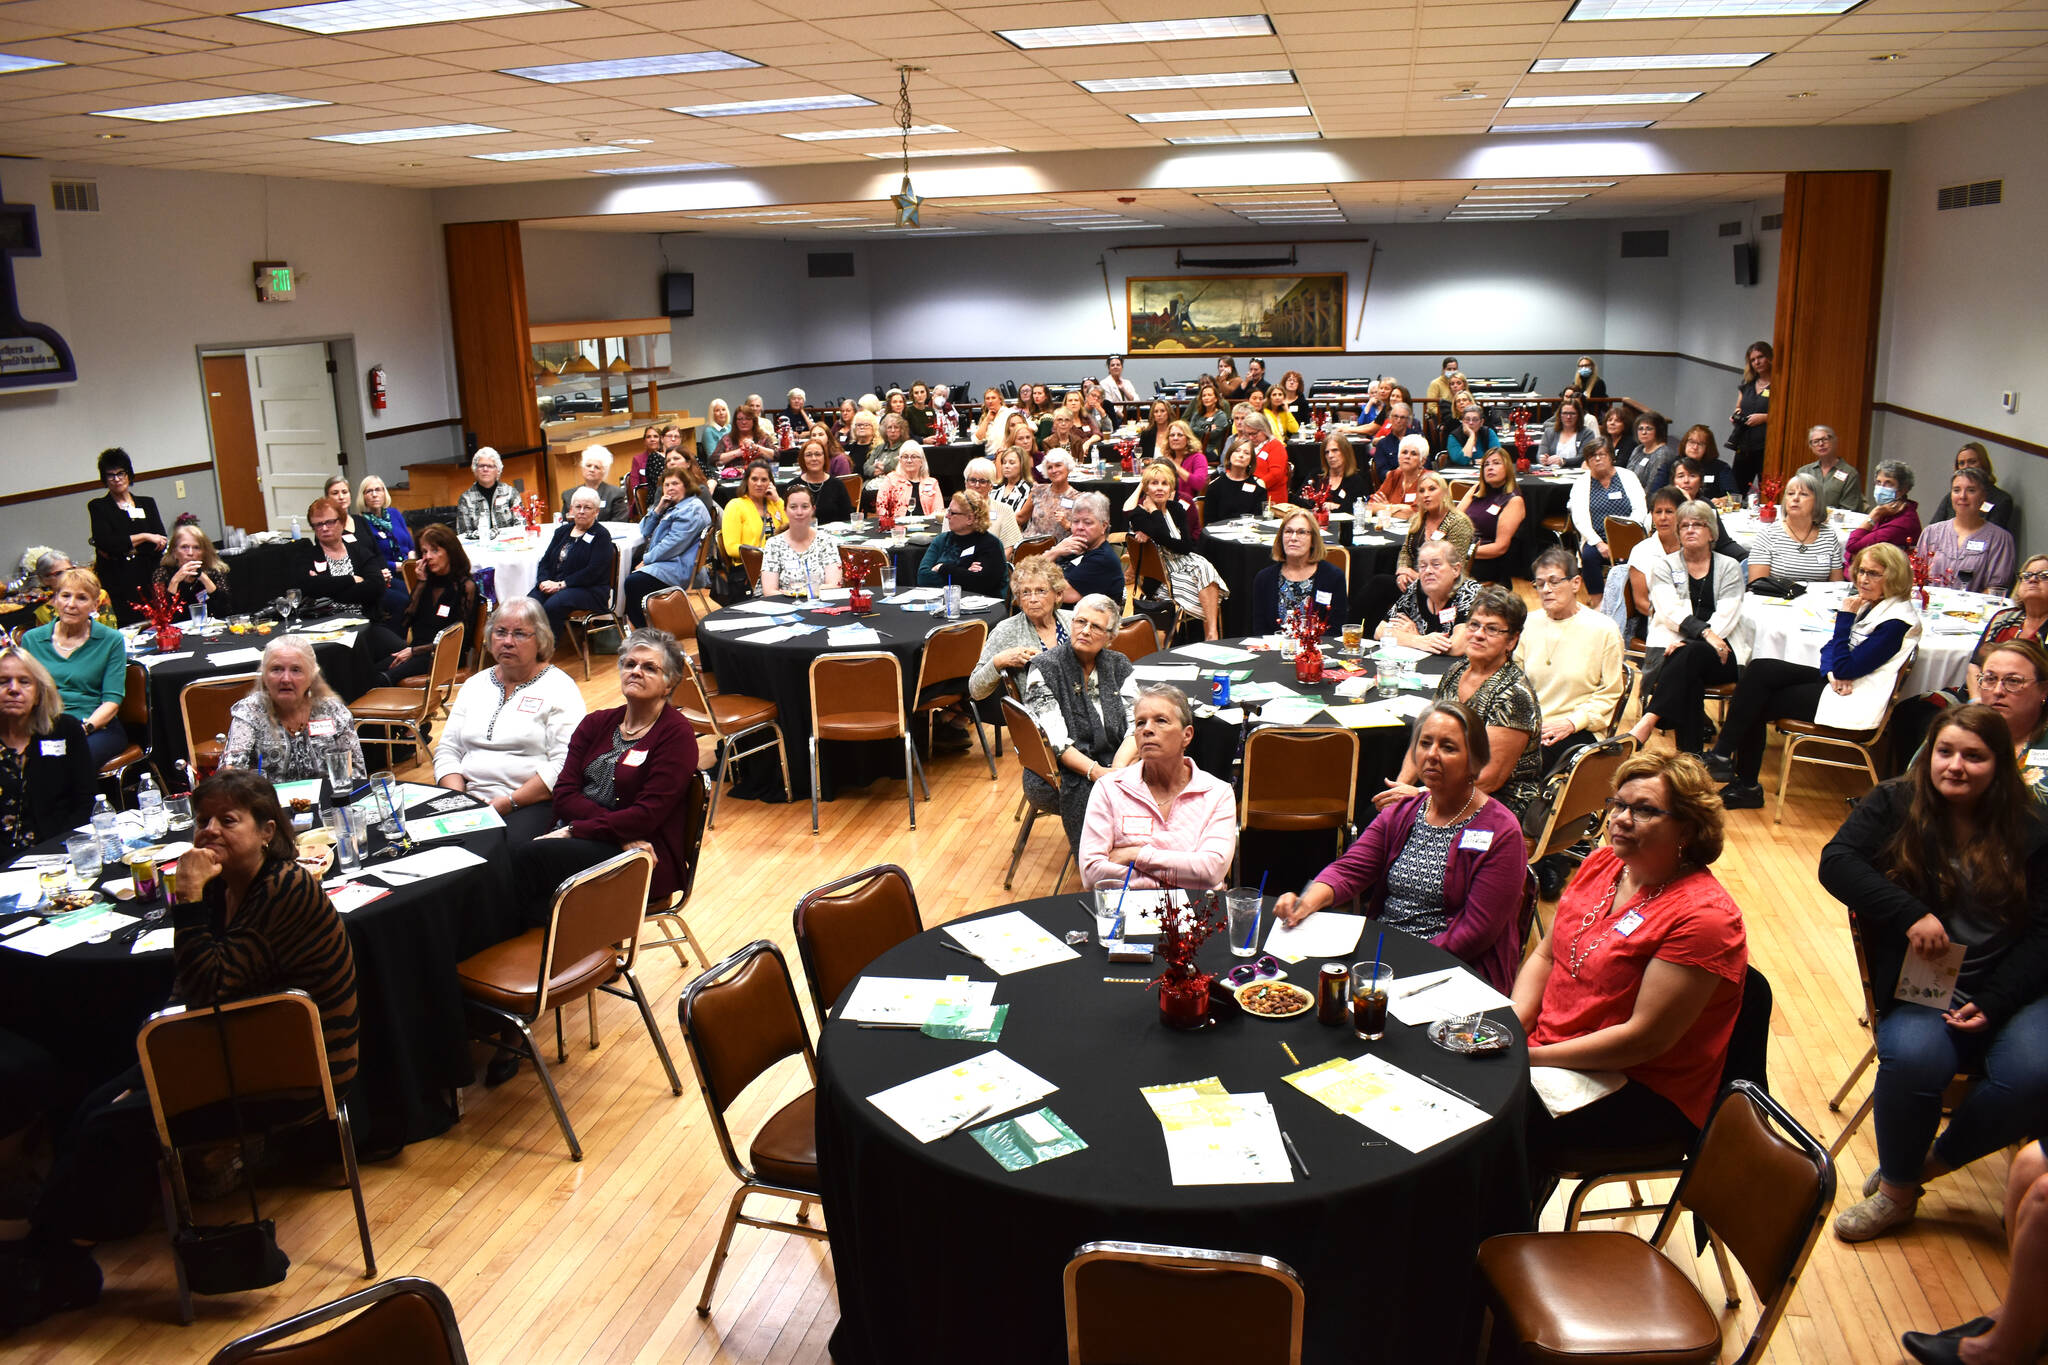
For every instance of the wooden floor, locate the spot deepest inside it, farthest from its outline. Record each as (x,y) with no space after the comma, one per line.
(550,1260)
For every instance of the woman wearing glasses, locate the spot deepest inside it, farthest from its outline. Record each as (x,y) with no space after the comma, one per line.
(1642,971)
(1876,630)
(1952,853)
(340,570)
(1443,861)
(1162,821)
(1489,683)
(1079,694)
(508,732)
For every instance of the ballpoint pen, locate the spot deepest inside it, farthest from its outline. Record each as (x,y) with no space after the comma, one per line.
(1425,986)
(1295,1154)
(964,1122)
(958,949)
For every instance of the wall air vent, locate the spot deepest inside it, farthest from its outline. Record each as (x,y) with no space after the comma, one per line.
(1645,243)
(1979,195)
(75,196)
(831,265)
(1772,222)
(1731,229)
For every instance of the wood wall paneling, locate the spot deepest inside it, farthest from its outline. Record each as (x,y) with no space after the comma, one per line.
(487,305)
(1830,275)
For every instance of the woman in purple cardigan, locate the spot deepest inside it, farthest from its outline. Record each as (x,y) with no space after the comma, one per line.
(1894,516)
(1448,865)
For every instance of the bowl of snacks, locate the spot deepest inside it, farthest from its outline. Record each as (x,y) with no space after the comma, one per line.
(1274,999)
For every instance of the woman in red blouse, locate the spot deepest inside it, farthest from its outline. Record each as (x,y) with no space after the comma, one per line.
(1642,971)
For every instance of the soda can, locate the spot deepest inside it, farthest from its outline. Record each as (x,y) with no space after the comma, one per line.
(142,867)
(1333,985)
(168,875)
(1219,689)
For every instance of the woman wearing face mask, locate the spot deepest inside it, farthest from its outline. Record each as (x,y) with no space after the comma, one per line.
(1894,516)
(1586,379)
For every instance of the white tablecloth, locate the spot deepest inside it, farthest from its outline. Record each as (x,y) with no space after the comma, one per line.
(517,558)
(1745,525)
(1796,630)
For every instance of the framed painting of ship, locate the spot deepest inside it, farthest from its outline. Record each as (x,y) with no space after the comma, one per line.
(1234,313)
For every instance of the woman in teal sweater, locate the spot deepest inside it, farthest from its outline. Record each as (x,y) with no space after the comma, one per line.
(88,660)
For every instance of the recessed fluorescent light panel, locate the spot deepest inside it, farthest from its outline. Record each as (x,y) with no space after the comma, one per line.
(1212,139)
(939,151)
(1554,196)
(1119,227)
(678,64)
(1132,85)
(850,223)
(214,108)
(1213,115)
(1150,31)
(1606,127)
(1567,101)
(552,153)
(673,168)
(736,108)
(1552,185)
(1705,9)
(751,213)
(9,63)
(410,134)
(1684,61)
(846,134)
(793,222)
(364,16)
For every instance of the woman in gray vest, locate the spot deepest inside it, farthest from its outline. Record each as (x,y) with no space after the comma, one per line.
(1080,692)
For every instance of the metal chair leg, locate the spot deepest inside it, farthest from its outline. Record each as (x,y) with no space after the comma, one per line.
(1785,774)
(732,1217)
(167,1164)
(814,784)
(910,777)
(782,753)
(918,765)
(675,1084)
(1727,1275)
(561,1048)
(982,735)
(547,1082)
(1017,850)
(346,1136)
(718,782)
(1869,1056)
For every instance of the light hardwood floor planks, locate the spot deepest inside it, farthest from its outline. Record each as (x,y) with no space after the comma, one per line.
(601,1261)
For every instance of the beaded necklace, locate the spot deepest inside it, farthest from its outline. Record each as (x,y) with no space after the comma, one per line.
(1577,956)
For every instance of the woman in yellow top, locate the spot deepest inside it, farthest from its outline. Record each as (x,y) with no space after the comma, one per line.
(755,515)
(1278,416)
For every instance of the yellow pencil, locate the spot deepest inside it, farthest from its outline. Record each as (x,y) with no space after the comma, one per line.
(1290,1054)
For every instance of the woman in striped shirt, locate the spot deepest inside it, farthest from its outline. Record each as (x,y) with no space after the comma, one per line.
(1800,544)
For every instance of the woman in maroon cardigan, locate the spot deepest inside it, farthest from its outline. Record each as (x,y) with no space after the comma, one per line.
(1448,865)
(622,783)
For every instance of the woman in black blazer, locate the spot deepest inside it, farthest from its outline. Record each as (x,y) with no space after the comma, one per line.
(340,570)
(576,572)
(47,775)
(128,538)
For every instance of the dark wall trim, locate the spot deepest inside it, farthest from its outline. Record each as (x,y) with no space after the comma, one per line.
(407,431)
(1095,358)
(73,489)
(1978,433)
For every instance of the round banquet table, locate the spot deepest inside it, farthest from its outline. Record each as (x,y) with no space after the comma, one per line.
(781,672)
(1241,549)
(85,1003)
(346,671)
(1795,630)
(935,1246)
(517,556)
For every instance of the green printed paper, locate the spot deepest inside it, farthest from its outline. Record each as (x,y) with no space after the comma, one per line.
(1028,1139)
(966,1023)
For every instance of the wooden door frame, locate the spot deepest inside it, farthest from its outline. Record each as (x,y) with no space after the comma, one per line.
(341,352)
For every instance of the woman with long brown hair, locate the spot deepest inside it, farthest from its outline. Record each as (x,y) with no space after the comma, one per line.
(1952,854)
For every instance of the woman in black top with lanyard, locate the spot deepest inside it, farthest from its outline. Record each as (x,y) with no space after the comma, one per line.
(827,493)
(128,537)
(332,568)
(1235,491)
(1348,484)
(446,597)
(1752,412)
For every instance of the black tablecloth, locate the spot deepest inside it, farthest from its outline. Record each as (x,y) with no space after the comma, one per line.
(346,671)
(780,672)
(1240,564)
(1543,495)
(259,574)
(942,1256)
(85,1004)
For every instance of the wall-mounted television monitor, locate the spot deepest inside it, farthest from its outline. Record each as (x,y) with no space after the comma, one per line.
(678,295)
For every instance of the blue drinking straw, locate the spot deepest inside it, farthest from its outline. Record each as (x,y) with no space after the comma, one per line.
(1253,932)
(1376,955)
(1116,930)
(808,591)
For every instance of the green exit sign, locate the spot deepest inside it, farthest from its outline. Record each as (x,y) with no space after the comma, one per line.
(274,282)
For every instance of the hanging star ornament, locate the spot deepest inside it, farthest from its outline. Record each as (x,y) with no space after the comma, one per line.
(907,202)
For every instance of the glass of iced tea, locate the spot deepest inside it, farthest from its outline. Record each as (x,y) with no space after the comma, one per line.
(1369,982)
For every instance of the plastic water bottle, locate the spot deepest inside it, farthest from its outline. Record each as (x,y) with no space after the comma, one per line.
(150,802)
(106,829)
(296,533)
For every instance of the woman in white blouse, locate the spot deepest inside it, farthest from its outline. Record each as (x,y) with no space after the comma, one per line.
(803,557)
(509,728)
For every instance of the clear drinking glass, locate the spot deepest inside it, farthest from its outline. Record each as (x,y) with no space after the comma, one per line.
(178,817)
(336,762)
(1369,982)
(1241,904)
(84,850)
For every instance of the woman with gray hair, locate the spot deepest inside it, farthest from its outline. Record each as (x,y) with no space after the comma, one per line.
(1695,628)
(1799,545)
(1081,695)
(47,775)
(1968,550)
(486,506)
(1894,516)
(1052,501)
(980,478)
(289,725)
(596,466)
(1038,625)
(575,573)
(1162,821)
(507,733)
(1090,565)
(2002,512)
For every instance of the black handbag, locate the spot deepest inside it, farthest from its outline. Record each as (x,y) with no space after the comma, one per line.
(228,1258)
(1773,586)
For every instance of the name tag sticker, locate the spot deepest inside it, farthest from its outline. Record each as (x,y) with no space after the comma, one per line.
(1436,535)
(53,748)
(529,706)
(1840,474)
(1066,502)
(1407,497)
(1710,478)
(441,610)
(1975,547)
(1448,615)
(2036,758)
(1478,840)
(1986,509)
(320,729)
(1322,599)
(632,758)
(1134,826)
(1629,923)
(135,514)
(1251,488)
(348,537)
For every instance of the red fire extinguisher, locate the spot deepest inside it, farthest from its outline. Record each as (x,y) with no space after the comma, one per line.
(380,392)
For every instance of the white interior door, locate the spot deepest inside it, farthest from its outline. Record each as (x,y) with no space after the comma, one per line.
(298,436)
